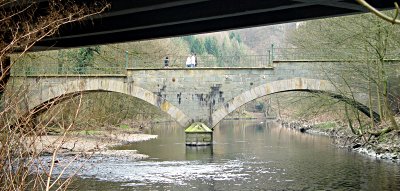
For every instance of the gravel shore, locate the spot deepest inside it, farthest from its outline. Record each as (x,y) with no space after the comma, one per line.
(91,144)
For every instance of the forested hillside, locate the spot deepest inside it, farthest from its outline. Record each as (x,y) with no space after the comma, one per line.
(259,39)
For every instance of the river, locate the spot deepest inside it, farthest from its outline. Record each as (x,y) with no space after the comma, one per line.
(246,155)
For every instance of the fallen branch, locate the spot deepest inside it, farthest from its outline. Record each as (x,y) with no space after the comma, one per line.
(379,133)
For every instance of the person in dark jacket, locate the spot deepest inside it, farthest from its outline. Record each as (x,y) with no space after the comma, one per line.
(166,62)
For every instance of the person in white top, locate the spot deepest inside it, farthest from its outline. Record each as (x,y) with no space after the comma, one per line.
(188,61)
(193,61)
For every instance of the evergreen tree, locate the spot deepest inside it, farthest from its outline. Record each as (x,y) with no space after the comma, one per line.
(195,44)
(211,46)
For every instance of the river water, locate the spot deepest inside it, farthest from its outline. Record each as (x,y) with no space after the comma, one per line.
(247,155)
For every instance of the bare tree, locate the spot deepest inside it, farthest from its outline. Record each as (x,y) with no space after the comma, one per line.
(378,13)
(22,24)
(366,45)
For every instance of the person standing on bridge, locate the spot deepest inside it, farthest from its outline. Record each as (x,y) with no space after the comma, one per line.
(166,62)
(188,61)
(193,60)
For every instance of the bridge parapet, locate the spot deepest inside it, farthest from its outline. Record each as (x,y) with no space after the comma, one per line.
(119,66)
(116,62)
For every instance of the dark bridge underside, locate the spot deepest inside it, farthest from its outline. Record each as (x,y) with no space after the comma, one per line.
(129,20)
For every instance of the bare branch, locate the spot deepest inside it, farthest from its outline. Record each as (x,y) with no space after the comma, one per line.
(378,13)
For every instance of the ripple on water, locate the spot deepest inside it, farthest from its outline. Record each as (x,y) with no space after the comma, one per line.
(140,173)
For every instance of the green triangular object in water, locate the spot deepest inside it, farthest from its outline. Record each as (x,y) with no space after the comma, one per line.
(198,128)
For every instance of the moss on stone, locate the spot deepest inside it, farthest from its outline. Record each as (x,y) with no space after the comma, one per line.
(326,125)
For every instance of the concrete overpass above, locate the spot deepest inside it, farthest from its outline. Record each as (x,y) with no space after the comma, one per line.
(149,19)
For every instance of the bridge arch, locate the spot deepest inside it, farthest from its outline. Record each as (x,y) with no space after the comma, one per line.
(294,84)
(114,85)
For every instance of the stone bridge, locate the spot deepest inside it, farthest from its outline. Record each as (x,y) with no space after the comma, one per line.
(197,94)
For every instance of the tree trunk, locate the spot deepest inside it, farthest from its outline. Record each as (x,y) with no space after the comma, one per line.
(370,96)
(5,67)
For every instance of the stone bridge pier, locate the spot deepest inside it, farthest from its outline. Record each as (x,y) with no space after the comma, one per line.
(193,94)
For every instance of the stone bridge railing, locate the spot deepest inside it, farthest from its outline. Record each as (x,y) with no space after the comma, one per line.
(59,68)
(116,62)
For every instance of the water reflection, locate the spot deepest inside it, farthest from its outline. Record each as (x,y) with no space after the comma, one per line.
(204,153)
(247,155)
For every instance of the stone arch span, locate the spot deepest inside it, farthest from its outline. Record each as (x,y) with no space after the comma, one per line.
(294,84)
(110,85)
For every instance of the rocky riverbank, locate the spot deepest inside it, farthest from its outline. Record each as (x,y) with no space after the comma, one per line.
(386,147)
(93,145)
(244,115)
(94,142)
